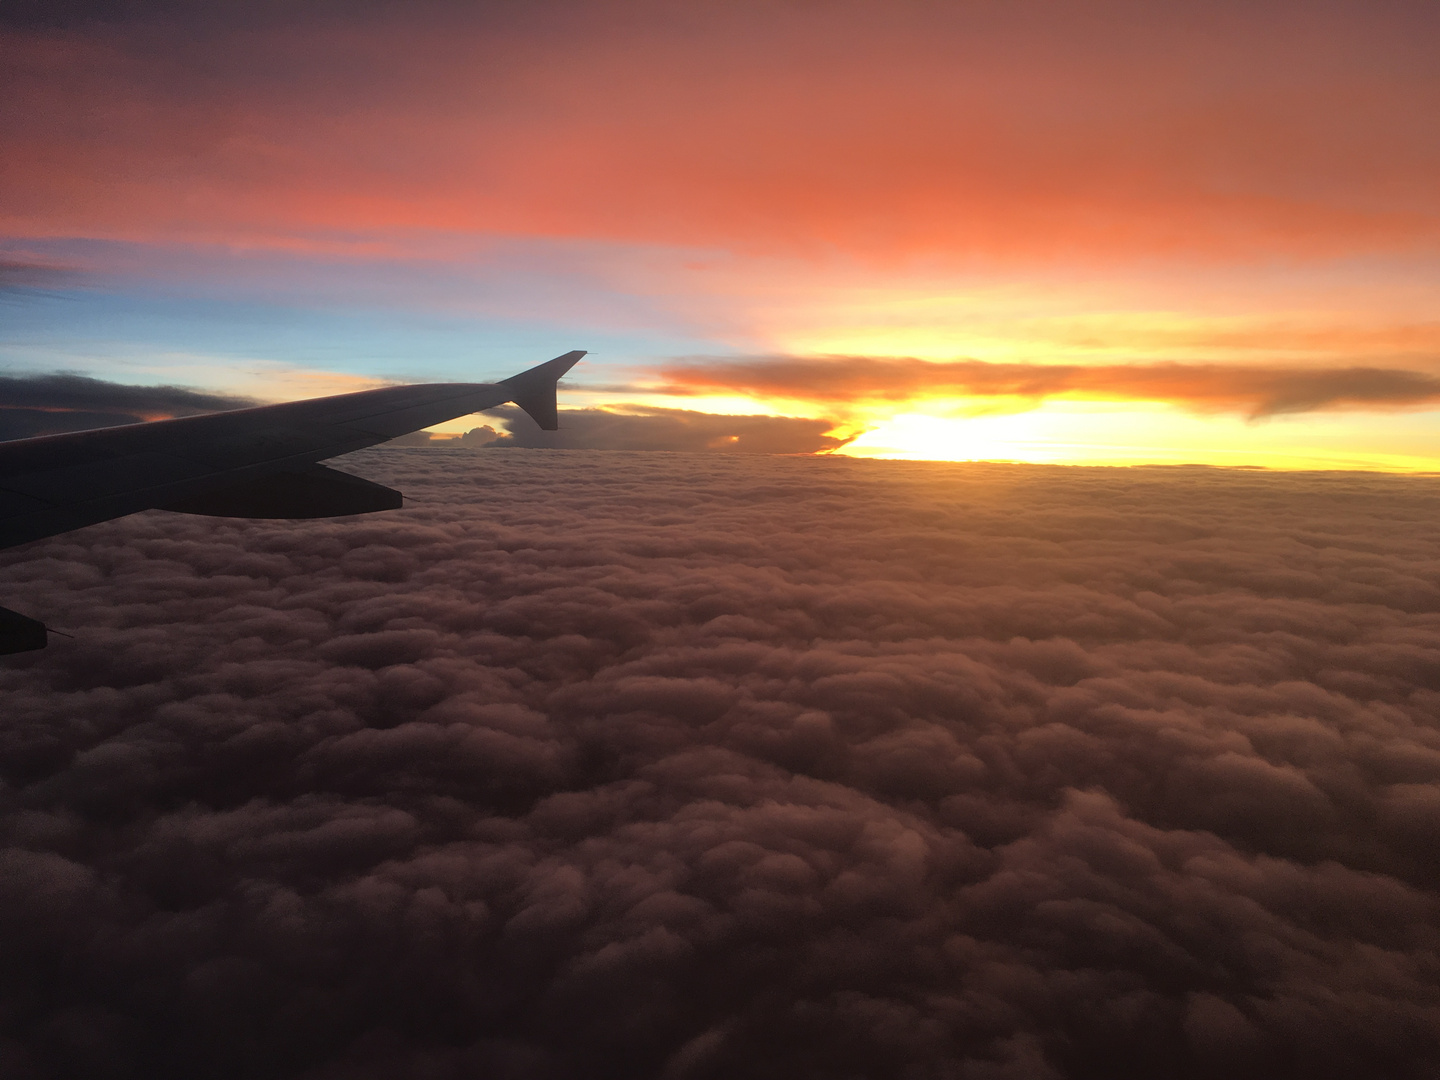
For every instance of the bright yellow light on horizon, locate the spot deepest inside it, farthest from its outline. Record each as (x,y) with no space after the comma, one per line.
(1074,432)
(1107,433)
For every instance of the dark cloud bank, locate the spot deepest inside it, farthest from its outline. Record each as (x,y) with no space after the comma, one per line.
(32,405)
(639,427)
(626,765)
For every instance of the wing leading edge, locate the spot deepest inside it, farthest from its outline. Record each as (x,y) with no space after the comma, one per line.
(258,462)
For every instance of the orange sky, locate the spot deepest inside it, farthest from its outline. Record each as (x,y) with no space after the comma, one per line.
(1015,132)
(1022,183)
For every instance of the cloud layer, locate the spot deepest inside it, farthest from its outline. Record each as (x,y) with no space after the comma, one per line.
(626,765)
(1256,390)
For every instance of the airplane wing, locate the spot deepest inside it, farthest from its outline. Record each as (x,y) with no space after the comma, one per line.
(259,462)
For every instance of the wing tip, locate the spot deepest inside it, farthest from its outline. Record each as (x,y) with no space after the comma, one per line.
(534,390)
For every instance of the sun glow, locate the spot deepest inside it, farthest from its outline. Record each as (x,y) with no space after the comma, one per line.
(1106,433)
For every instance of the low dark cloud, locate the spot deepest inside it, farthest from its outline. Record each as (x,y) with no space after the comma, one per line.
(33,405)
(639,427)
(1255,390)
(628,765)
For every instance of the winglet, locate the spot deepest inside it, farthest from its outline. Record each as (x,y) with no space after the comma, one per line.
(534,390)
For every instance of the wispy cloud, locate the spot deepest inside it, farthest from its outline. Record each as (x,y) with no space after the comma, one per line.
(27,275)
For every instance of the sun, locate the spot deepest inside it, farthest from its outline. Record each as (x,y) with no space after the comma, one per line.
(922,436)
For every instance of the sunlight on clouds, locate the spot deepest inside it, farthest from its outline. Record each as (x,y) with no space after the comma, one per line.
(1067,430)
(579,398)
(729,404)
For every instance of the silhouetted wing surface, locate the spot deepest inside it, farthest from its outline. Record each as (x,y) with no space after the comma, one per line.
(259,462)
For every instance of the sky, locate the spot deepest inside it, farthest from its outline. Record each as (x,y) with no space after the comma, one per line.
(1108,232)
(611,764)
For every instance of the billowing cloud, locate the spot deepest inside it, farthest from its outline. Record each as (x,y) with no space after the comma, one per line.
(46,404)
(700,766)
(1256,390)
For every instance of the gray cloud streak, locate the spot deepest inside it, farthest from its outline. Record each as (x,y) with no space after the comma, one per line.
(618,765)
(1257,390)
